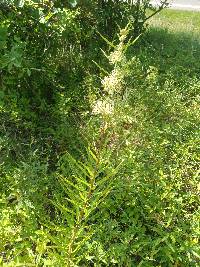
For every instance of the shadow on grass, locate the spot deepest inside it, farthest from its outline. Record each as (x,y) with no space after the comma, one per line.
(177,52)
(170,96)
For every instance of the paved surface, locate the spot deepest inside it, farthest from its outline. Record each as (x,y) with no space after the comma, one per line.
(182,4)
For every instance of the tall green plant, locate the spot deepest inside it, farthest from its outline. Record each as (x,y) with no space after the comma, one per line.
(85,185)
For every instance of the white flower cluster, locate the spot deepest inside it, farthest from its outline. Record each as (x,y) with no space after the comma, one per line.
(113,82)
(123,34)
(117,55)
(104,107)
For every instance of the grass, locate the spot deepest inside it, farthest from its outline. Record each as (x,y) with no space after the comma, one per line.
(177,20)
(174,38)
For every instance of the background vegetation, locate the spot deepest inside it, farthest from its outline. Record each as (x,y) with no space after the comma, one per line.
(99,134)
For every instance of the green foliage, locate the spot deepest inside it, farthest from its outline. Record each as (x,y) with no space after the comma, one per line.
(151,217)
(99,138)
(41,58)
(47,51)
(84,190)
(109,13)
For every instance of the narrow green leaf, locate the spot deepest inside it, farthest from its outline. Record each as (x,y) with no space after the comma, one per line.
(106,40)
